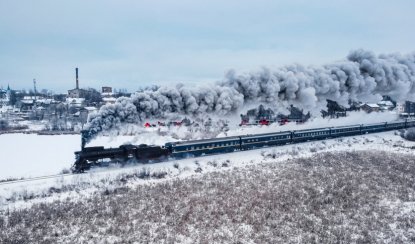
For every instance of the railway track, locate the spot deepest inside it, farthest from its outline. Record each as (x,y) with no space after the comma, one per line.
(67,174)
(9,182)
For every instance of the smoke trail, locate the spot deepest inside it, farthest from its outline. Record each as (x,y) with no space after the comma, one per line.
(363,76)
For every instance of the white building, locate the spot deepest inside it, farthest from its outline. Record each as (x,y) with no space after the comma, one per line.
(76,102)
(5,96)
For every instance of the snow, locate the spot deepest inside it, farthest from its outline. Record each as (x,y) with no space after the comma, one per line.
(29,155)
(372,105)
(103,178)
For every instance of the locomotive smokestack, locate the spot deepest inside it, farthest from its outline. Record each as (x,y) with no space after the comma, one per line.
(84,134)
(77,80)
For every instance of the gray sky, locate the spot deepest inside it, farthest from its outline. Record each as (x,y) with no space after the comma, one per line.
(128,44)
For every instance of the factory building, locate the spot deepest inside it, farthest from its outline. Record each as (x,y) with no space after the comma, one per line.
(77,92)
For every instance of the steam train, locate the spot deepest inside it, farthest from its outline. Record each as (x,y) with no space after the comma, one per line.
(95,156)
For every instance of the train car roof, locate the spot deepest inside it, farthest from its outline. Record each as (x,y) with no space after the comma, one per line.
(374,124)
(310,130)
(267,134)
(230,138)
(398,121)
(345,126)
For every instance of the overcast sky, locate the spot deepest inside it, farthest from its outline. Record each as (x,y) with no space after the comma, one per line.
(133,43)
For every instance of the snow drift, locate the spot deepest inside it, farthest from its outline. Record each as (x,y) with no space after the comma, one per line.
(363,76)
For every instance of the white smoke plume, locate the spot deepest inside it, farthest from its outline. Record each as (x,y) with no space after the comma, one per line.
(363,76)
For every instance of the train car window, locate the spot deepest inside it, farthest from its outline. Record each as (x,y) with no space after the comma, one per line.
(193,148)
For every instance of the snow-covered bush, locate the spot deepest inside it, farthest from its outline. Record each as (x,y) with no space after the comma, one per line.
(4,124)
(409,134)
(345,197)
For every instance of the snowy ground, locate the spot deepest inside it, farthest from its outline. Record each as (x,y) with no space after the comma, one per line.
(24,194)
(334,197)
(30,155)
(27,155)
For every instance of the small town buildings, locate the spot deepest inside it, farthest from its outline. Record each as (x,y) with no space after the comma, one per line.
(75,102)
(370,107)
(385,105)
(5,95)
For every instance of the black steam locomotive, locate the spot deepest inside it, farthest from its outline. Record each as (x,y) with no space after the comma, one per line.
(94,156)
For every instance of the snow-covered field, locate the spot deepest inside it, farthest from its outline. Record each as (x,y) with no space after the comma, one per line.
(33,155)
(23,194)
(30,155)
(334,197)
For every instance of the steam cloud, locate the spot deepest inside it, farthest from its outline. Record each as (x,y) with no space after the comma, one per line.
(363,76)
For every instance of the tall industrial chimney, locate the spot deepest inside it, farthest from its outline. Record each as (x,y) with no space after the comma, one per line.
(77,81)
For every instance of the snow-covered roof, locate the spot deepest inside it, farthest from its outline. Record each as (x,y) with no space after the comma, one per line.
(27,101)
(45,100)
(107,94)
(385,103)
(90,108)
(75,100)
(32,97)
(372,105)
(109,99)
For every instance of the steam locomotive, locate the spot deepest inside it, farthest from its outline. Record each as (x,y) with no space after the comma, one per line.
(95,156)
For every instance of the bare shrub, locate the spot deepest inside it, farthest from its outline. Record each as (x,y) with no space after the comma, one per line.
(409,134)
(226,163)
(176,165)
(213,163)
(65,171)
(4,124)
(344,197)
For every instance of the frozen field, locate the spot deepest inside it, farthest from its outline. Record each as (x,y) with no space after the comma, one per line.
(29,155)
(23,194)
(26,155)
